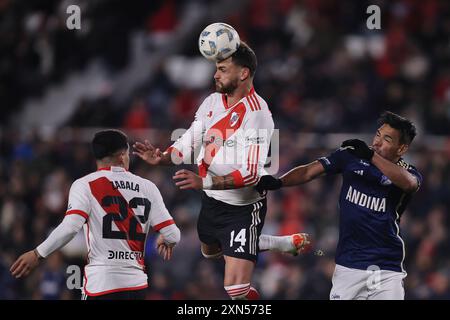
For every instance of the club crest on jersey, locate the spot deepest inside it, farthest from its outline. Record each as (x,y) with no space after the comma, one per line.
(234,119)
(385,181)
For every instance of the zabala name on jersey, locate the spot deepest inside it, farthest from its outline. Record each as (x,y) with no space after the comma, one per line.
(129,185)
(364,200)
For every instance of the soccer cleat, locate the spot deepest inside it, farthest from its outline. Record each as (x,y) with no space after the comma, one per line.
(301,243)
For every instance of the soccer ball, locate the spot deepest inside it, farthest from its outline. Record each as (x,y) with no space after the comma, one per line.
(218,41)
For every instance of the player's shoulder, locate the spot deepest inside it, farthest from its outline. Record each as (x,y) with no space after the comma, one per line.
(212,98)
(212,101)
(343,156)
(257,109)
(82,183)
(149,186)
(255,103)
(408,166)
(85,179)
(91,176)
(402,163)
(137,178)
(261,100)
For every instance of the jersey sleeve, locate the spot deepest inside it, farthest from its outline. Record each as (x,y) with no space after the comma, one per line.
(192,138)
(62,234)
(258,130)
(159,215)
(416,174)
(335,162)
(79,202)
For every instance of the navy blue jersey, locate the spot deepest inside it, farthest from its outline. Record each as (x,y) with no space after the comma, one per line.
(370,208)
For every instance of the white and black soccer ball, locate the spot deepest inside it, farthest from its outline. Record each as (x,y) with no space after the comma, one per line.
(218,41)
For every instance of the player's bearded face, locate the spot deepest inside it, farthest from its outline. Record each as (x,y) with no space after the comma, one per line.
(226,76)
(227,86)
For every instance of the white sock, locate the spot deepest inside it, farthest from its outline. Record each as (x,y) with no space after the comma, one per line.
(275,243)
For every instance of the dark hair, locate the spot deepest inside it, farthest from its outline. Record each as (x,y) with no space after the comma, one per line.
(107,142)
(245,57)
(406,127)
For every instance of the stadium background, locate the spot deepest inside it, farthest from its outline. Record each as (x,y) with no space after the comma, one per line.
(325,76)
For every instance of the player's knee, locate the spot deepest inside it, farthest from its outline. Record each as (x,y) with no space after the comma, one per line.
(216,255)
(242,292)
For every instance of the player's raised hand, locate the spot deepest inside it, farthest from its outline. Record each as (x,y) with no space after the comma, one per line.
(268,183)
(358,148)
(188,180)
(24,264)
(164,249)
(147,152)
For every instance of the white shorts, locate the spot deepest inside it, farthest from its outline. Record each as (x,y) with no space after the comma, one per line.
(371,284)
(102,279)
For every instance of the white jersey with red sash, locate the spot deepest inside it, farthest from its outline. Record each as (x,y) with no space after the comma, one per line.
(119,208)
(232,140)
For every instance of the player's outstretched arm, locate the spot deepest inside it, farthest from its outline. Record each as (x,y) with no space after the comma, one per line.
(190,180)
(65,232)
(302,174)
(267,182)
(298,175)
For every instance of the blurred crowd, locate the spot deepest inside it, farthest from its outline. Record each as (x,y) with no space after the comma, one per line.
(320,70)
(37,49)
